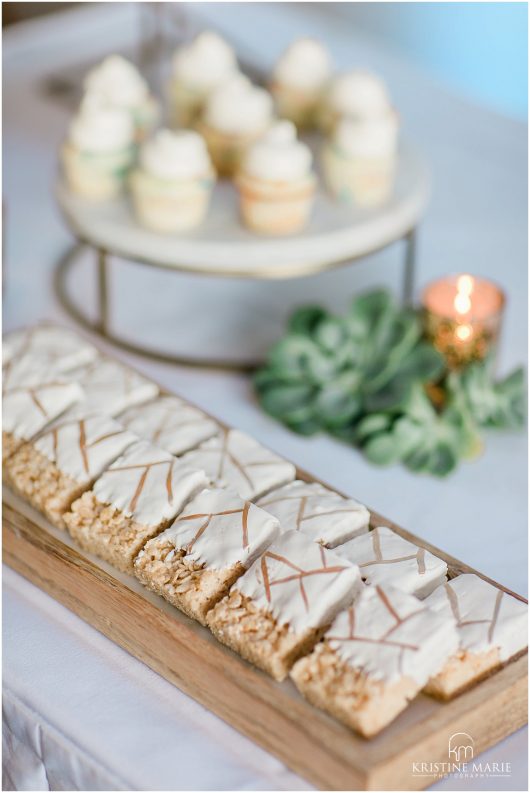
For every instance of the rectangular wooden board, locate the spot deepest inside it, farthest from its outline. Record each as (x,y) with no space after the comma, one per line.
(272,714)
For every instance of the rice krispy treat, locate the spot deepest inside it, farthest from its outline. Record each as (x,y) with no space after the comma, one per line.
(28,409)
(281,606)
(51,346)
(170,423)
(64,460)
(491,626)
(213,541)
(235,460)
(385,557)
(376,656)
(136,498)
(110,387)
(321,514)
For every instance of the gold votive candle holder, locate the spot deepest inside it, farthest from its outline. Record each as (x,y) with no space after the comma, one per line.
(462,317)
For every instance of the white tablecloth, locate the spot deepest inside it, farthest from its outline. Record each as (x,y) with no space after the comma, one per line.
(79,712)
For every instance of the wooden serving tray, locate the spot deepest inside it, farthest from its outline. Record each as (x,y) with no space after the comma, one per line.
(274,715)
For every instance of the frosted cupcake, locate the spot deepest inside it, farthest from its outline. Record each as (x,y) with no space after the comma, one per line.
(198,69)
(172,186)
(359,160)
(357,94)
(236,114)
(99,150)
(276,183)
(298,81)
(119,83)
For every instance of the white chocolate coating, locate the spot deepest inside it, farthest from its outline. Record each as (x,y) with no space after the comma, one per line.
(27,409)
(375,138)
(219,530)
(28,370)
(49,346)
(100,128)
(110,388)
(205,63)
(84,449)
(148,484)
(385,557)
(176,156)
(171,423)
(305,65)
(318,513)
(358,94)
(301,583)
(238,108)
(117,82)
(389,634)
(486,617)
(235,460)
(278,156)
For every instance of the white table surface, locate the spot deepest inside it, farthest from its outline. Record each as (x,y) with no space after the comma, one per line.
(80,712)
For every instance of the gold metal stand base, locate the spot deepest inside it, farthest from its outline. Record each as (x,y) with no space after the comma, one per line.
(102,325)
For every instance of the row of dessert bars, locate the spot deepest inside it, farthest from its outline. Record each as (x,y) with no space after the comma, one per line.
(285,572)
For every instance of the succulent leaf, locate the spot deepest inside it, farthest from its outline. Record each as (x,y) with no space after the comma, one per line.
(339,401)
(289,401)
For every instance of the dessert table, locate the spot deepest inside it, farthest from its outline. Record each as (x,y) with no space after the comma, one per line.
(79,712)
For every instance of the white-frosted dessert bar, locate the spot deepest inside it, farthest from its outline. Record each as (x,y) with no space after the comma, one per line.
(492,627)
(211,544)
(28,409)
(280,607)
(376,656)
(317,512)
(110,387)
(385,557)
(235,460)
(137,497)
(50,346)
(171,423)
(64,460)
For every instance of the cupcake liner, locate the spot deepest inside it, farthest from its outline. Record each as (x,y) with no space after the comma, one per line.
(96,176)
(170,206)
(275,208)
(363,182)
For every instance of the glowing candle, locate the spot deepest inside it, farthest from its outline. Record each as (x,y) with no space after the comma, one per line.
(462,317)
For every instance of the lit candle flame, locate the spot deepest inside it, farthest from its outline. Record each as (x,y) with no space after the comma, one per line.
(463,332)
(464,288)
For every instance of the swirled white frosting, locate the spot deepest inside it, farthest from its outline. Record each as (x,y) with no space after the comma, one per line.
(368,138)
(205,63)
(305,64)
(238,107)
(118,82)
(278,155)
(98,127)
(176,155)
(358,94)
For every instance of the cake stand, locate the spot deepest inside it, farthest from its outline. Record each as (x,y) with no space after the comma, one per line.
(337,235)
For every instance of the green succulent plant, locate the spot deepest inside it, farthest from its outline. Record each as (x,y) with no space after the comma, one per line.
(328,370)
(362,377)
